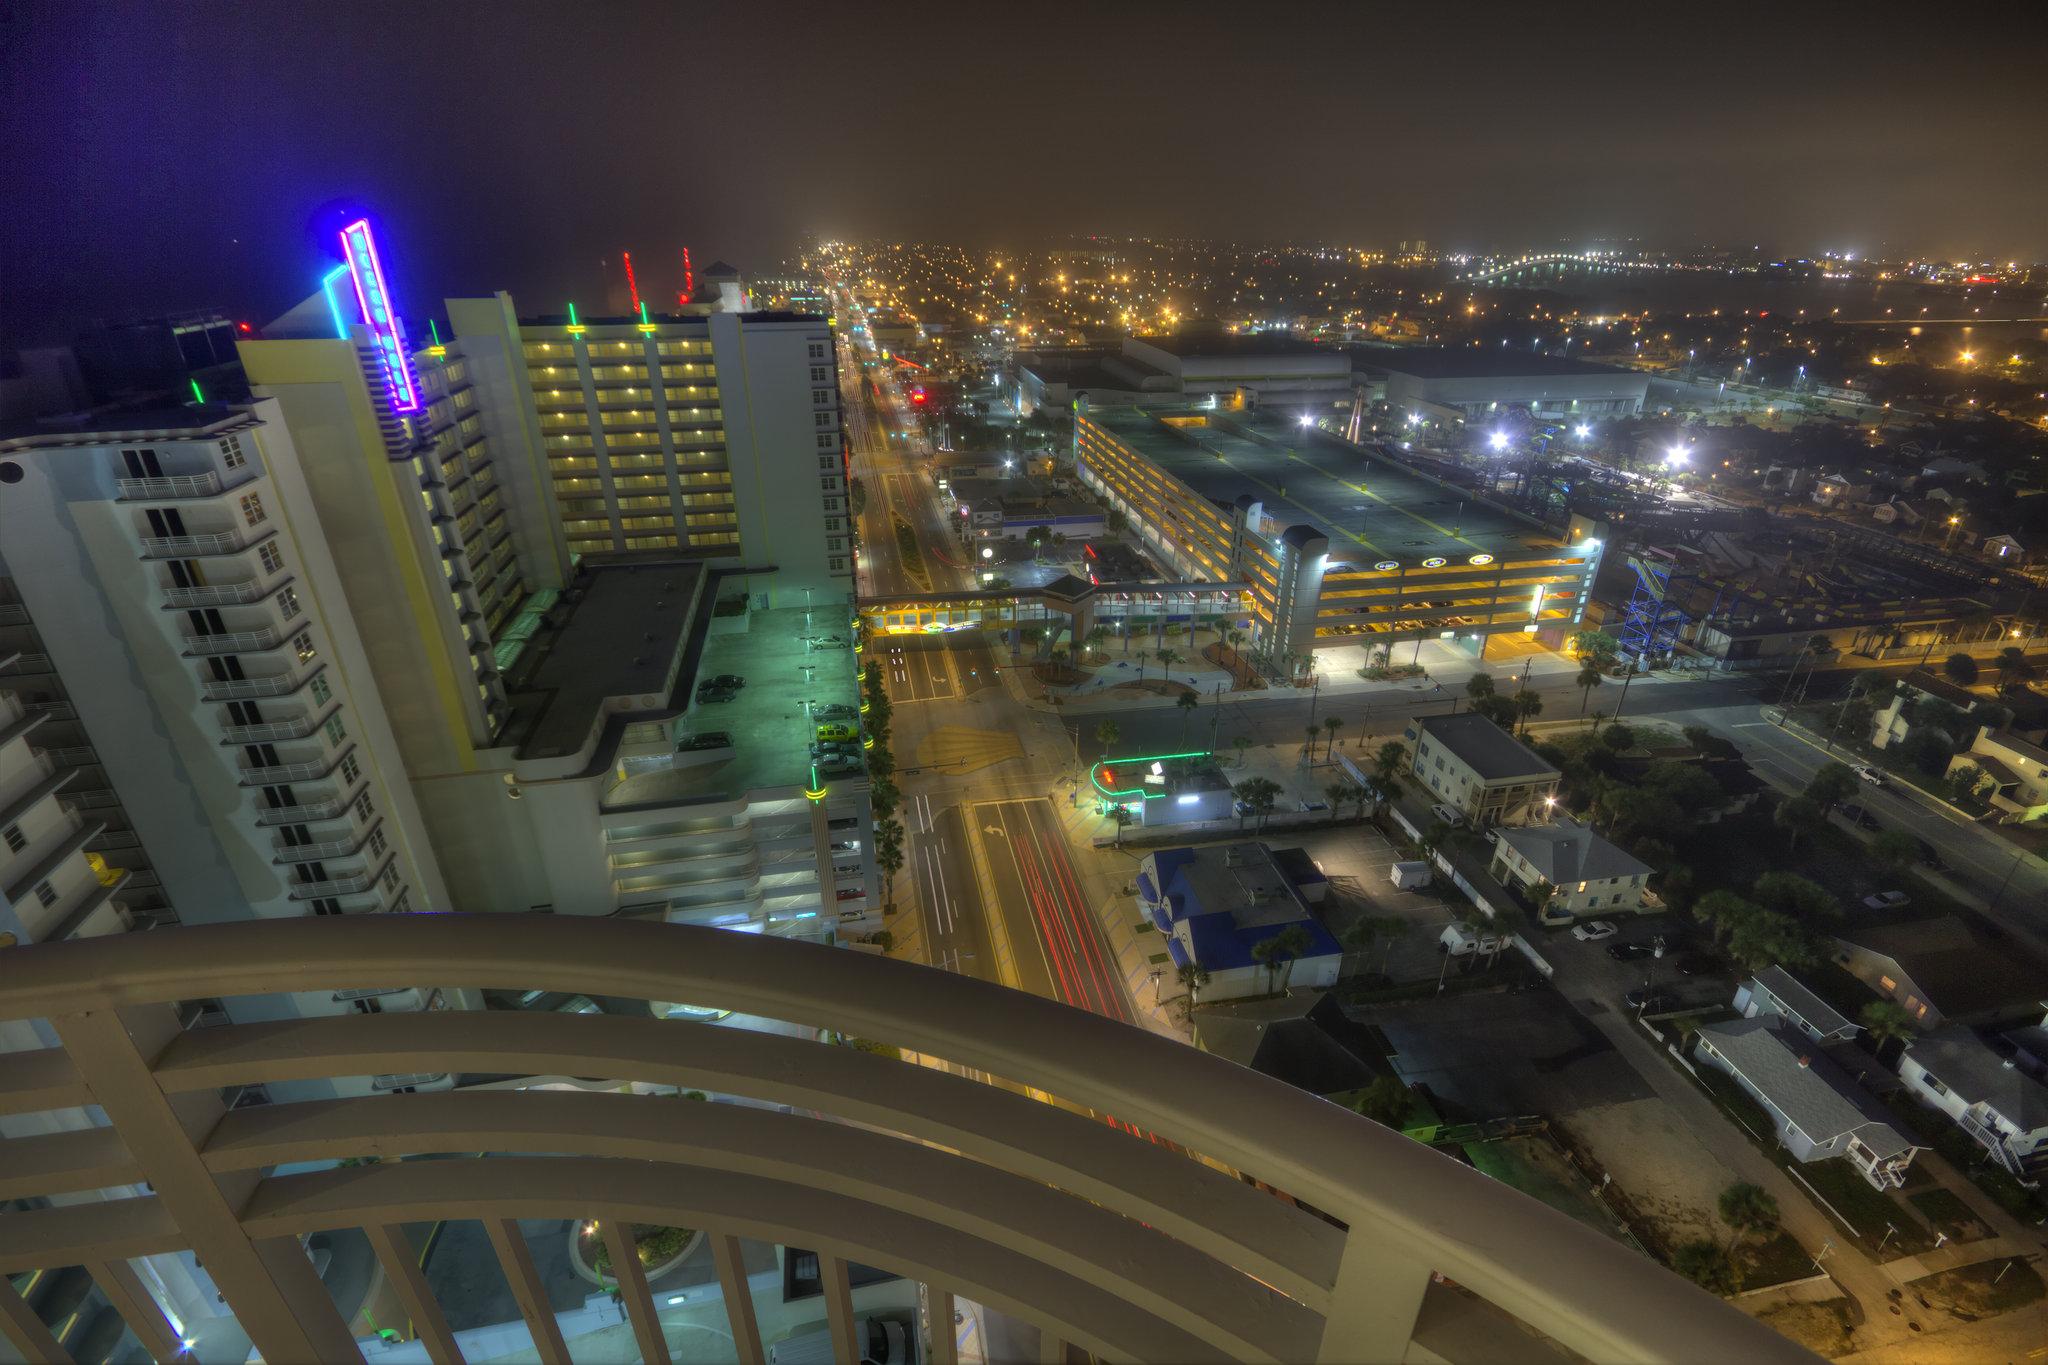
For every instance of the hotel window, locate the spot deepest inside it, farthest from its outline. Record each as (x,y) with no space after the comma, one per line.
(362,808)
(820,375)
(302,645)
(335,732)
(252,508)
(825,419)
(817,350)
(288,604)
(350,770)
(826,440)
(377,842)
(231,452)
(821,396)
(16,840)
(46,893)
(321,691)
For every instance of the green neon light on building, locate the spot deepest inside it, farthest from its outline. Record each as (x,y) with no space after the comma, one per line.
(1096,781)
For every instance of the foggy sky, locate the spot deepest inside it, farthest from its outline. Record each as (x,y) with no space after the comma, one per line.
(165,155)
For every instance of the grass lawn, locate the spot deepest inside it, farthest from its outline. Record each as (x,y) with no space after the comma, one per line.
(1980,1290)
(1773,1260)
(1949,1215)
(1822,1328)
(1868,1210)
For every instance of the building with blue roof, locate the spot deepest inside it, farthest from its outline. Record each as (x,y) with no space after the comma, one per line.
(1215,905)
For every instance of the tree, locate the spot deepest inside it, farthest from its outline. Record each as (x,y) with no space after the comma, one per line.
(1789,893)
(1257,793)
(1748,1208)
(1388,762)
(1500,710)
(1167,659)
(1799,816)
(1707,744)
(1960,669)
(1235,638)
(1096,636)
(1928,749)
(1240,743)
(1192,977)
(1122,815)
(1594,646)
(1588,679)
(1478,687)
(1277,955)
(1186,702)
(889,856)
(1886,1021)
(1115,522)
(1831,784)
(1036,538)
(1685,783)
(1107,734)
(1432,839)
(1337,793)
(1894,850)
(1387,1102)
(2012,667)
(1331,725)
(1619,738)
(1723,912)
(1527,707)
(1768,938)
(1964,780)
(1709,1266)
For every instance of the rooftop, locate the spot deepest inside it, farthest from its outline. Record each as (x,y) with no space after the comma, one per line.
(161,420)
(1367,507)
(1960,968)
(1803,1084)
(1233,897)
(622,637)
(1966,1064)
(1569,851)
(1485,748)
(1191,344)
(1475,362)
(787,657)
(1800,1000)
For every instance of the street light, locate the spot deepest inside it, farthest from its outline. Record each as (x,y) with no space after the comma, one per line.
(1307,420)
(1499,440)
(1582,431)
(988,552)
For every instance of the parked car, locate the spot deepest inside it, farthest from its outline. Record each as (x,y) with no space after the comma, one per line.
(728,681)
(1930,857)
(708,693)
(833,765)
(835,711)
(1592,931)
(1871,775)
(708,739)
(1887,900)
(1460,941)
(1450,815)
(1860,817)
(837,730)
(1630,952)
(1649,1000)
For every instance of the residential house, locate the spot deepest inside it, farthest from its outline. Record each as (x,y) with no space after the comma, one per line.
(2002,548)
(1834,489)
(1217,903)
(1776,993)
(2018,772)
(1819,1113)
(1473,765)
(1892,722)
(1988,1096)
(1591,875)
(1944,969)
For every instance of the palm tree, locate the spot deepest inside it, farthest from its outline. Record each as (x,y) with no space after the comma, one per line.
(1799,815)
(1387,762)
(1187,702)
(1308,748)
(1886,1021)
(1527,707)
(1960,668)
(1192,976)
(1097,636)
(1748,1208)
(1122,816)
(1338,793)
(2012,667)
(1167,659)
(1107,734)
(1257,794)
(1479,686)
(1589,678)
(1240,743)
(1277,955)
(1235,638)
(1332,724)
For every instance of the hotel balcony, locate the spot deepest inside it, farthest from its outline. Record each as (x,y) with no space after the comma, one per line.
(1302,1232)
(175,487)
(234,642)
(204,546)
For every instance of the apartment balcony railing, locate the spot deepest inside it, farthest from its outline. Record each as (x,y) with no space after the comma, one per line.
(329,848)
(274,773)
(26,663)
(353,885)
(308,813)
(234,642)
(1305,1232)
(243,689)
(216,543)
(226,595)
(295,727)
(168,486)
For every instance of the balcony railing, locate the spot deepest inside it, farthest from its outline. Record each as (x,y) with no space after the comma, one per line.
(170,486)
(293,727)
(1304,1232)
(354,885)
(217,543)
(226,595)
(313,853)
(309,813)
(242,689)
(275,773)
(234,642)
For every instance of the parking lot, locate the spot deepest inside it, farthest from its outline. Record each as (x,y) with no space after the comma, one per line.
(1358,860)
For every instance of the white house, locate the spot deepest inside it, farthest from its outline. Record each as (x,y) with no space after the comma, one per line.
(2018,772)
(1819,1113)
(2003,1107)
(1592,875)
(1777,993)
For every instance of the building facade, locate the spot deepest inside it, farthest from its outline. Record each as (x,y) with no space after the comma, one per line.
(1480,770)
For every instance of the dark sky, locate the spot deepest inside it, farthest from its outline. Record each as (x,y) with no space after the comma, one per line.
(172,153)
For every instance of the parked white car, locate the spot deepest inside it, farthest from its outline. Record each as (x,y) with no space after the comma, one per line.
(1593,930)
(1870,775)
(1450,815)
(1887,900)
(1461,941)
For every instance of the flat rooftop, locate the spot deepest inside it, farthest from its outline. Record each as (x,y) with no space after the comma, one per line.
(787,657)
(1370,509)
(1477,362)
(1194,345)
(622,636)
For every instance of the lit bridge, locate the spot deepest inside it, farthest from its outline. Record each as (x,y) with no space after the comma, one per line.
(1341,1240)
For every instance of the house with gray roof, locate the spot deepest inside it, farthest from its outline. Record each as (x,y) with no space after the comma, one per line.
(1472,764)
(1990,1097)
(1819,1113)
(1592,876)
(1779,994)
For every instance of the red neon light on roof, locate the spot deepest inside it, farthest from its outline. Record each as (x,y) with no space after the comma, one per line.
(632,285)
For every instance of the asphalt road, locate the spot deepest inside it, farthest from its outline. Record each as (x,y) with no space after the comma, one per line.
(949,903)
(1057,946)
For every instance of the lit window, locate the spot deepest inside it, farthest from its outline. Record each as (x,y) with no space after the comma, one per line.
(252,509)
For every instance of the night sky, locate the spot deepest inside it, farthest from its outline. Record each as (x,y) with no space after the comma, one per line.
(165,155)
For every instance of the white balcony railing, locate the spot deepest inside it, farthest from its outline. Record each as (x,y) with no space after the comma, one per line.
(309,813)
(171,486)
(227,595)
(174,547)
(291,727)
(270,774)
(234,642)
(327,848)
(241,689)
